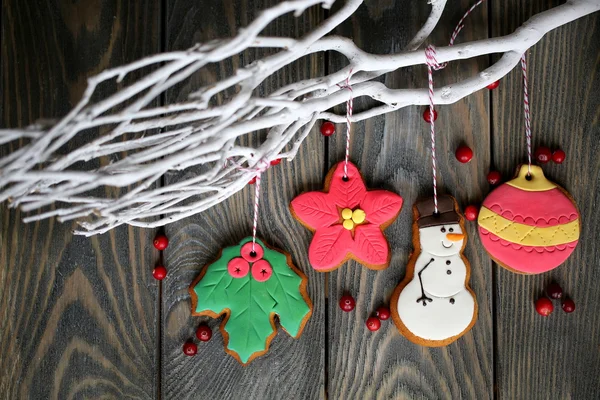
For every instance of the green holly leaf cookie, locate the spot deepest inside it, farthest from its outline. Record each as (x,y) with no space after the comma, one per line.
(250,285)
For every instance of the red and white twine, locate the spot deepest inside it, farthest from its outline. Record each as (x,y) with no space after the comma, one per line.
(349,107)
(527,111)
(262,167)
(431,65)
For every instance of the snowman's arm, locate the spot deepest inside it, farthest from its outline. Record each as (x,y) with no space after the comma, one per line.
(423,298)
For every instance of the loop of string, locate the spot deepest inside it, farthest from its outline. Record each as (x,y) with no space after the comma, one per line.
(527,112)
(431,65)
(349,107)
(260,168)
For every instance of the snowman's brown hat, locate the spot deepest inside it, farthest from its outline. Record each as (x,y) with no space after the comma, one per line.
(446,212)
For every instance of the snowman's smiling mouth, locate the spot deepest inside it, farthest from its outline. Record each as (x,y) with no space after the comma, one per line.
(447,247)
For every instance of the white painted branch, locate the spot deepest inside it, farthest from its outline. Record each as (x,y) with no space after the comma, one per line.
(197,133)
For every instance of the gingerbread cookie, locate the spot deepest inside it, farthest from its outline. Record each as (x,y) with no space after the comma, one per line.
(529,226)
(348,220)
(250,285)
(434,305)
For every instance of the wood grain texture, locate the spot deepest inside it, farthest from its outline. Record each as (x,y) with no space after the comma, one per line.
(292,369)
(393,153)
(559,356)
(77,315)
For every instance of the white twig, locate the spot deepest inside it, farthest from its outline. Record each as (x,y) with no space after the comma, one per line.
(142,142)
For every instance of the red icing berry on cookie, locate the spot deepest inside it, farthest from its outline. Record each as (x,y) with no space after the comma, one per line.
(276,162)
(159,273)
(238,267)
(543,155)
(471,213)
(190,349)
(262,270)
(161,242)
(568,305)
(347,303)
(559,156)
(464,154)
(327,129)
(493,85)
(204,333)
(554,291)
(373,324)
(494,177)
(383,313)
(544,306)
(427,115)
(252,255)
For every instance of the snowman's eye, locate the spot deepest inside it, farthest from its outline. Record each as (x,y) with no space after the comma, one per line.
(443,230)
(451,230)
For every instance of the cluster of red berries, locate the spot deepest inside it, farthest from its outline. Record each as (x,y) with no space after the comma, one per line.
(347,304)
(160,243)
(203,333)
(544,154)
(544,305)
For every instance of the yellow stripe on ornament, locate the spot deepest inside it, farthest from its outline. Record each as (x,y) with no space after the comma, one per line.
(528,235)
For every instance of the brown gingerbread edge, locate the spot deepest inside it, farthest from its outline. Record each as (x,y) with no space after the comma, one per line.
(227,312)
(349,255)
(514,271)
(410,272)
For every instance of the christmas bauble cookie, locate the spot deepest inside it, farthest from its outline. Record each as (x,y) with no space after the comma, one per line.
(348,220)
(250,284)
(434,305)
(529,225)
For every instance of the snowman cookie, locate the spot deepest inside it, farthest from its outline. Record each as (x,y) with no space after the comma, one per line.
(434,305)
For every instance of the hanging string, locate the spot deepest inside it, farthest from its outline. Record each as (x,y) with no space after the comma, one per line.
(527,112)
(349,107)
(262,167)
(432,64)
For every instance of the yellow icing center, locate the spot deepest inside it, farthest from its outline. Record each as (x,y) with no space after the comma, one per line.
(352,218)
(528,235)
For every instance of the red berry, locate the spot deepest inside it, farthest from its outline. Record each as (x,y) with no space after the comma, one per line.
(494,177)
(464,154)
(276,162)
(559,156)
(427,115)
(543,155)
(159,273)
(190,349)
(373,323)
(161,242)
(544,306)
(327,129)
(471,213)
(493,85)
(554,291)
(383,313)
(252,181)
(568,305)
(204,333)
(347,303)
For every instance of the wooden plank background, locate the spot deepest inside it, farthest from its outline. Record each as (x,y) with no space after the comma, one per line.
(83,318)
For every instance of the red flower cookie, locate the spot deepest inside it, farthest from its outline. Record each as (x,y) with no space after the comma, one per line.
(348,220)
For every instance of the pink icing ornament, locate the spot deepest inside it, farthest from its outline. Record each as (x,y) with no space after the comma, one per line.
(348,220)
(238,267)
(248,254)
(262,270)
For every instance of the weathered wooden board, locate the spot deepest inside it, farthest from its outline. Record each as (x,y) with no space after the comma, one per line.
(559,356)
(77,315)
(291,369)
(393,152)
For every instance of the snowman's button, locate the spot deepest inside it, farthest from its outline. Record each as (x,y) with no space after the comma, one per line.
(451,301)
(449,272)
(448,262)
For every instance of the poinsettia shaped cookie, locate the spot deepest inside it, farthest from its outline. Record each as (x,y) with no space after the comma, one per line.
(348,220)
(250,284)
